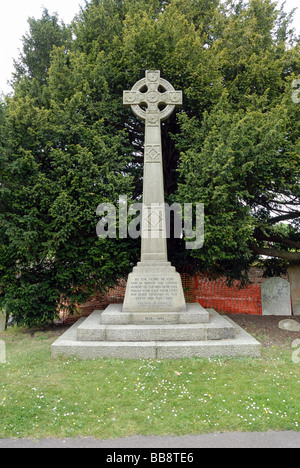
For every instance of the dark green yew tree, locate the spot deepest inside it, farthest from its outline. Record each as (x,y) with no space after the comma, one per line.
(68,144)
(65,152)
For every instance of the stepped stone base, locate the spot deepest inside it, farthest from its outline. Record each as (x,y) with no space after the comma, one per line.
(115,315)
(101,335)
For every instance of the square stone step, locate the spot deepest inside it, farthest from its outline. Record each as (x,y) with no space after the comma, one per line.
(242,344)
(93,330)
(114,315)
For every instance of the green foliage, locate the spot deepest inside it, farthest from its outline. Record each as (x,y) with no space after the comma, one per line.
(68,144)
(43,34)
(63,159)
(241,158)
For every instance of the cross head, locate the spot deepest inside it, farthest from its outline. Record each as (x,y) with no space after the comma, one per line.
(152,99)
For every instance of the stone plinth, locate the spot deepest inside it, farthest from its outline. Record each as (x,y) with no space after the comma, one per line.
(154,287)
(114,315)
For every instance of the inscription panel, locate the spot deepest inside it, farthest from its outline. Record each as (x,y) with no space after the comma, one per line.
(154,291)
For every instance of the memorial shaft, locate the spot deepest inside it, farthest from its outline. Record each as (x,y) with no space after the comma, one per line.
(153,100)
(154,287)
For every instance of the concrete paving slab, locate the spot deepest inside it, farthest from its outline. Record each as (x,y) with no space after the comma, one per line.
(270,439)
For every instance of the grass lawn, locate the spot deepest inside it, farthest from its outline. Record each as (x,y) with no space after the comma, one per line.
(41,397)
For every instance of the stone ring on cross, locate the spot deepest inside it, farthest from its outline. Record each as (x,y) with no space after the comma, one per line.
(152,99)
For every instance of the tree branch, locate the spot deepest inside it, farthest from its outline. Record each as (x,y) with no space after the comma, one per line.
(272,252)
(291,203)
(278,219)
(276,238)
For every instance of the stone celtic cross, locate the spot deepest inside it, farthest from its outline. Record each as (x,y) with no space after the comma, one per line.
(153,99)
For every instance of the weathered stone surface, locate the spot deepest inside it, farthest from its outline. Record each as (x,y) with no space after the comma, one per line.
(241,345)
(154,287)
(2,320)
(68,345)
(2,352)
(92,330)
(114,315)
(294,277)
(289,325)
(194,313)
(276,297)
